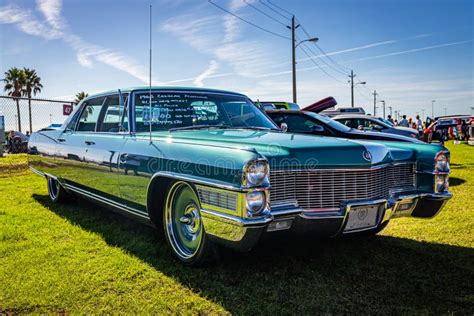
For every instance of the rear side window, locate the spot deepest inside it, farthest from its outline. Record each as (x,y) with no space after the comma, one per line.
(90,115)
(114,115)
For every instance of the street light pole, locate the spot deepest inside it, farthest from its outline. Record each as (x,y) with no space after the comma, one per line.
(294,45)
(293,56)
(375,102)
(383,102)
(352,87)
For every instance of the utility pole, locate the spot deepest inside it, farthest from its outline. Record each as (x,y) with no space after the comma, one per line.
(375,102)
(423,114)
(432,108)
(390,109)
(293,55)
(445,113)
(383,102)
(352,87)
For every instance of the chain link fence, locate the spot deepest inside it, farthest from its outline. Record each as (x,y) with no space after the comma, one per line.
(23,114)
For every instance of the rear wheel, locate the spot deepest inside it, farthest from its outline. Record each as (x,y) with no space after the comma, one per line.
(56,192)
(183,225)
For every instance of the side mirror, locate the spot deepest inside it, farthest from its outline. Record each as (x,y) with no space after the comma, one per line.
(284,127)
(317,129)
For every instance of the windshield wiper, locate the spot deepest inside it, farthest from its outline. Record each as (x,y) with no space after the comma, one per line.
(191,127)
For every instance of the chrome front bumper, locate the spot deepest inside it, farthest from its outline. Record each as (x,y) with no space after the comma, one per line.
(243,234)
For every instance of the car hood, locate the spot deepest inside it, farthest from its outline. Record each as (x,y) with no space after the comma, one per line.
(289,150)
(407,129)
(384,136)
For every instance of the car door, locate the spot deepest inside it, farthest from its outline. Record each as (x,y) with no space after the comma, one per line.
(103,147)
(71,142)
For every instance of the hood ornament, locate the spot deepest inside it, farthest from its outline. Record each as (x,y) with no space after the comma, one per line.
(367,155)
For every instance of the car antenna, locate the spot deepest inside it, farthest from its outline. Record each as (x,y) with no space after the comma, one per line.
(149,97)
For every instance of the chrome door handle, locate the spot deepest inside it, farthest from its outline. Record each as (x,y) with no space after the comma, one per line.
(88,142)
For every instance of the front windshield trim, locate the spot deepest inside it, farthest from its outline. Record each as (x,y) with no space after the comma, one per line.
(331,122)
(238,98)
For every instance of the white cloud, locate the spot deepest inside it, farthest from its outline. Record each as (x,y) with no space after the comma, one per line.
(217,37)
(26,22)
(51,10)
(57,28)
(211,70)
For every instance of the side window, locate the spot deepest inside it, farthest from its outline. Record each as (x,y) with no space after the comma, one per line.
(71,125)
(299,124)
(115,115)
(346,122)
(90,115)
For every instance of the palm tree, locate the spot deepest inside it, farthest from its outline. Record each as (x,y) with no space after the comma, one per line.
(14,81)
(33,85)
(79,96)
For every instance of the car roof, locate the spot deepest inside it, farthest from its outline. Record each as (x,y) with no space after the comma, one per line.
(162,88)
(286,111)
(355,115)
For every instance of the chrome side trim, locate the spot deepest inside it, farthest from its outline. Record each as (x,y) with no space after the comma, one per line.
(37,171)
(238,221)
(108,201)
(206,182)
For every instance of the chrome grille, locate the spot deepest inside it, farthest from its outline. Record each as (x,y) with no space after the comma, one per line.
(323,189)
(220,199)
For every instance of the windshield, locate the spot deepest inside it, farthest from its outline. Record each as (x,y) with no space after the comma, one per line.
(386,121)
(182,110)
(332,123)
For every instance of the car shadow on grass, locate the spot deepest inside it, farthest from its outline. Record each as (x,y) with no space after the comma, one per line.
(380,274)
(453,181)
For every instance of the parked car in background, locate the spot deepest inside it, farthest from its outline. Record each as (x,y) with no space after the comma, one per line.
(447,127)
(327,105)
(373,124)
(208,167)
(278,105)
(303,122)
(17,143)
(54,126)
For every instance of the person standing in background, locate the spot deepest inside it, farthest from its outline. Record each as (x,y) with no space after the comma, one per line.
(390,119)
(404,122)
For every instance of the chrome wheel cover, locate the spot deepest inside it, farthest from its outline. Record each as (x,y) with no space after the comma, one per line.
(183,221)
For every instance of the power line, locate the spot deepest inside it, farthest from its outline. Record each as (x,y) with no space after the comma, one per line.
(280,8)
(344,70)
(274,9)
(320,68)
(248,22)
(325,62)
(264,13)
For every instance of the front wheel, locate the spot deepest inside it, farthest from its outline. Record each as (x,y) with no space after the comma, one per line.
(183,226)
(56,192)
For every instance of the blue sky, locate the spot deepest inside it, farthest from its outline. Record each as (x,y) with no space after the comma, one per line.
(411,52)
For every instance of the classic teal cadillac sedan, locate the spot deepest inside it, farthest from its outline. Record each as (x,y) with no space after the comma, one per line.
(208,167)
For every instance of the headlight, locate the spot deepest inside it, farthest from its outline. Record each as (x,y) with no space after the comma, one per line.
(441,162)
(256,173)
(255,202)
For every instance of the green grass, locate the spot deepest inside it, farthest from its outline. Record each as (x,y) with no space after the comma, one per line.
(80,258)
